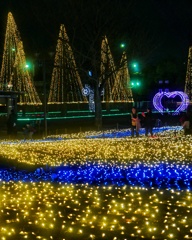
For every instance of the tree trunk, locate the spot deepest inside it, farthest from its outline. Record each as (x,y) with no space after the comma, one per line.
(98,109)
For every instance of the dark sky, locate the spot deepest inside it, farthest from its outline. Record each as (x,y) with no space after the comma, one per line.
(152,29)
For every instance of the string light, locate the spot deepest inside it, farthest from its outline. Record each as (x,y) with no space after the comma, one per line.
(116,85)
(107,65)
(66,84)
(188,77)
(81,190)
(121,91)
(13,71)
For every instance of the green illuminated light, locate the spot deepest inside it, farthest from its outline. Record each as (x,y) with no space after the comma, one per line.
(135,67)
(71,117)
(114,110)
(135,84)
(78,111)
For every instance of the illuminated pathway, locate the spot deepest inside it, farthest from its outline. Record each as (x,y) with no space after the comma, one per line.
(103,188)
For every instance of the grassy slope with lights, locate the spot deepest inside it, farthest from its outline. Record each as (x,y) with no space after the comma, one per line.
(73,149)
(102,191)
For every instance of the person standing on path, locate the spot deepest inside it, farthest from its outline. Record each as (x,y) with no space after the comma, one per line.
(135,122)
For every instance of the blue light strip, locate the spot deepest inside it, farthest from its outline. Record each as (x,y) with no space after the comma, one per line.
(164,175)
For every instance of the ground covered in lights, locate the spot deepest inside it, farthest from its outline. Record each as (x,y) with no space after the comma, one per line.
(103,185)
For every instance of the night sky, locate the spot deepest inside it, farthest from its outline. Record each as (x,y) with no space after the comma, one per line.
(153,30)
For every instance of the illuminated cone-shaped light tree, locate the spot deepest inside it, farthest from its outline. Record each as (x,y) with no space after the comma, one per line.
(66,84)
(188,80)
(108,71)
(121,91)
(15,75)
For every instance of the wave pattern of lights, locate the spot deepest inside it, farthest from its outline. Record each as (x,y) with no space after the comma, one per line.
(111,188)
(164,175)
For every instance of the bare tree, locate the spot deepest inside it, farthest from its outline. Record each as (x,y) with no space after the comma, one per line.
(87,22)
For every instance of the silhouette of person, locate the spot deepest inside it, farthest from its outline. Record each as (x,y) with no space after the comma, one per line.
(135,122)
(148,122)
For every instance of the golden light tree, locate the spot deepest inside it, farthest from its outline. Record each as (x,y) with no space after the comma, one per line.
(108,71)
(15,75)
(188,79)
(66,85)
(121,91)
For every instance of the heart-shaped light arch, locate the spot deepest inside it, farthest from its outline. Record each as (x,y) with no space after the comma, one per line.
(158,104)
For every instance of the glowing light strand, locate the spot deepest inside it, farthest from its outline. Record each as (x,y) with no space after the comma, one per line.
(13,71)
(107,65)
(121,91)
(188,78)
(66,84)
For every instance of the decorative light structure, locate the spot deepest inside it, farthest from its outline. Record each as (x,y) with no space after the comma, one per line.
(188,79)
(107,67)
(157,101)
(89,92)
(66,84)
(13,71)
(122,91)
